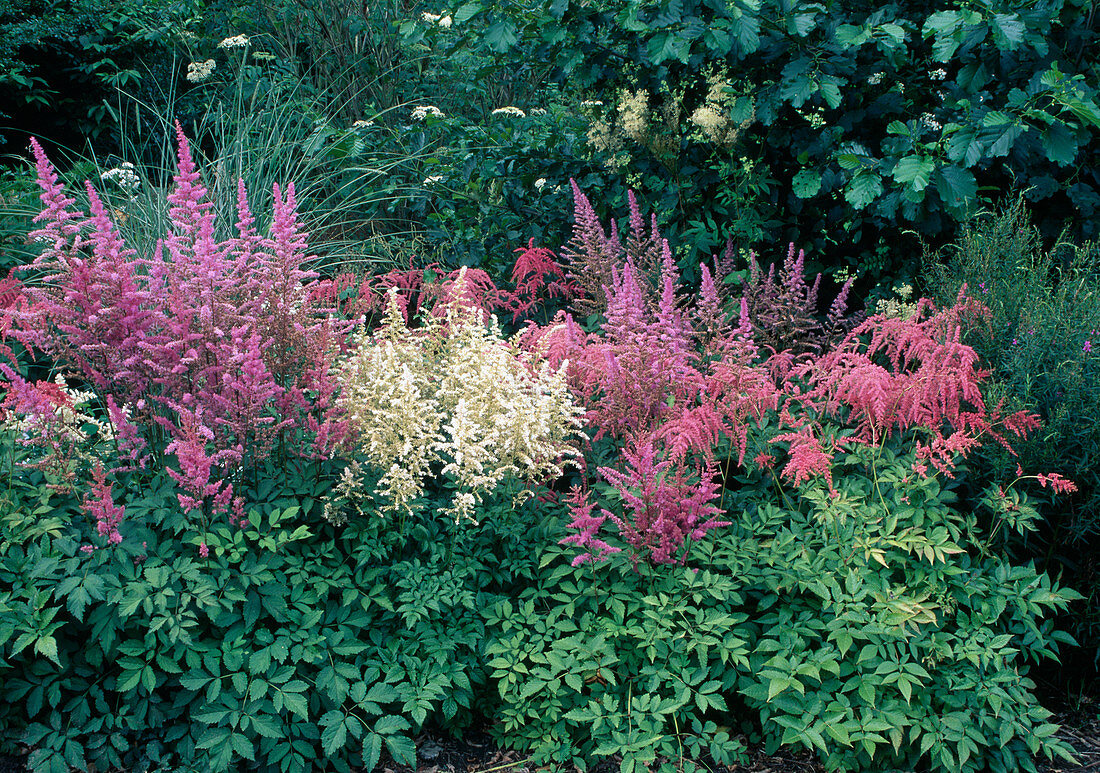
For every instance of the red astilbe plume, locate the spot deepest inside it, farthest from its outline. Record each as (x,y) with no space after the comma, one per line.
(894,374)
(537,269)
(11,301)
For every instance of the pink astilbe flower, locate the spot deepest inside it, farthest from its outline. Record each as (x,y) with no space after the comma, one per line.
(912,373)
(807,457)
(1060,484)
(585,527)
(203,348)
(99,504)
(663,508)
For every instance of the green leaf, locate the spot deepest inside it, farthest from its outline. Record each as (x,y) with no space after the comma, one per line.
(1008,31)
(464,13)
(1000,130)
(297,704)
(372,750)
(806,183)
(864,188)
(957,187)
(47,645)
(1059,144)
(334,735)
(402,749)
(266,726)
(501,36)
(915,171)
(390,724)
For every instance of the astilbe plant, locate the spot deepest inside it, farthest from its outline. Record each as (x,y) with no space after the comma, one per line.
(202,349)
(668,393)
(784,308)
(671,385)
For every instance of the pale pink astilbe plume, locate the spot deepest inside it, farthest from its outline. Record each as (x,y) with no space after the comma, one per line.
(99,503)
(673,329)
(585,528)
(191,212)
(664,506)
(709,315)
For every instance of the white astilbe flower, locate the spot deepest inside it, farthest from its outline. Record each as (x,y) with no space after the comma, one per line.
(455,392)
(386,393)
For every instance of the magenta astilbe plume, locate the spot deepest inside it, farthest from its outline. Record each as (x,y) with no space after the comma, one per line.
(585,528)
(663,505)
(99,503)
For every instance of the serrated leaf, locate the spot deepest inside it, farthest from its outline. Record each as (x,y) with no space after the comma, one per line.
(1008,31)
(333,736)
(372,750)
(47,645)
(266,726)
(864,188)
(297,704)
(500,36)
(402,749)
(390,724)
(957,187)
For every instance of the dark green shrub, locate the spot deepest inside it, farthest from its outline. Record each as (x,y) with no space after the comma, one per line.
(1043,347)
(62,62)
(860,122)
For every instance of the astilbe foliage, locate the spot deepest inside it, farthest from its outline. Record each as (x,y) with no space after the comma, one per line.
(208,350)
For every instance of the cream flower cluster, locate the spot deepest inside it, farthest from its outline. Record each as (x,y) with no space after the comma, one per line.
(456,394)
(200,71)
(123,175)
(421,112)
(237,41)
(510,110)
(443,20)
